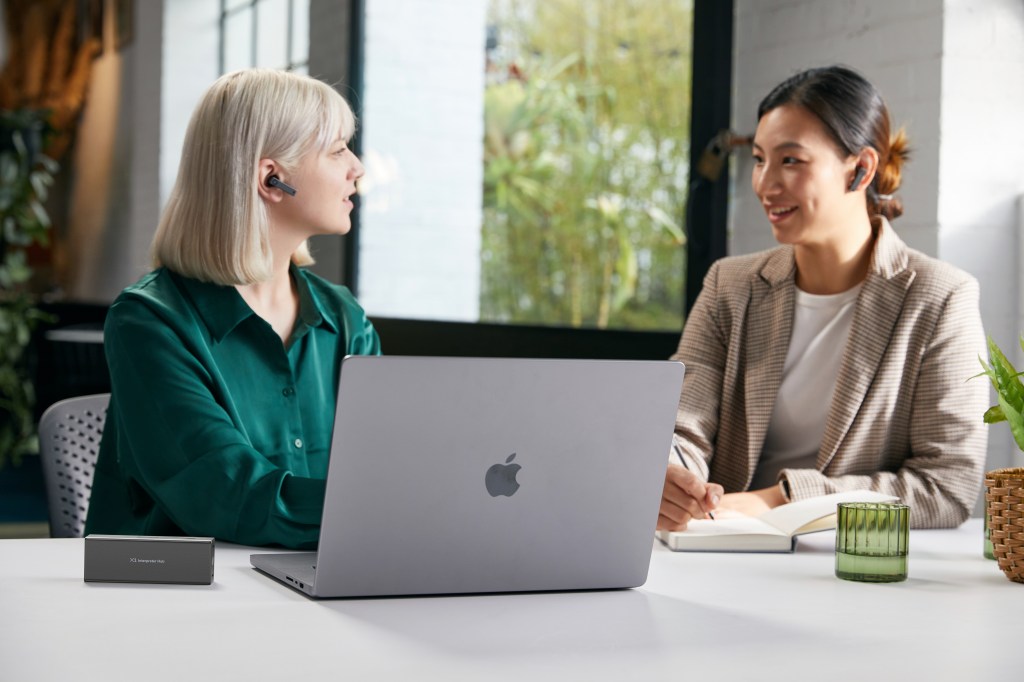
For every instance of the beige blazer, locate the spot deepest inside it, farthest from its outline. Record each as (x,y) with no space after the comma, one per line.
(906,418)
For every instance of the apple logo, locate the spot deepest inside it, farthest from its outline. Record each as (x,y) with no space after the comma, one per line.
(501,478)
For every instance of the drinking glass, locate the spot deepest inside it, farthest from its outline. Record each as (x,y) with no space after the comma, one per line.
(871,541)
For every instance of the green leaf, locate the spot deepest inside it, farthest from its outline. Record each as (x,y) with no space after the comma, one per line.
(41,216)
(994,415)
(627,271)
(1016,420)
(40,183)
(665,222)
(1004,377)
(49,165)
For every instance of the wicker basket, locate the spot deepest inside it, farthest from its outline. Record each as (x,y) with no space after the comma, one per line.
(1004,505)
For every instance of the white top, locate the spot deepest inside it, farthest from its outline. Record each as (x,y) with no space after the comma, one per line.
(700,616)
(821,327)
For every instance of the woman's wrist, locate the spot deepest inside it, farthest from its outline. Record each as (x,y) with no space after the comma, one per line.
(772,496)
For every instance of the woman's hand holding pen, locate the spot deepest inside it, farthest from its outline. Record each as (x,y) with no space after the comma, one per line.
(685,497)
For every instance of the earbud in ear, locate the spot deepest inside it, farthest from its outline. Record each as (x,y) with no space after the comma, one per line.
(274,181)
(857,177)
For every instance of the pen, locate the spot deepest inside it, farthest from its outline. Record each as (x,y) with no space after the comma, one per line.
(679,453)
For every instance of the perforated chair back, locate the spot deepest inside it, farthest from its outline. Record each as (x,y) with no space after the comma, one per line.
(69,441)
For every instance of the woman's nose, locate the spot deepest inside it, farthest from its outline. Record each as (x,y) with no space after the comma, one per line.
(765,179)
(357,169)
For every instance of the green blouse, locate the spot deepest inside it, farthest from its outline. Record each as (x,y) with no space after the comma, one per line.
(216,428)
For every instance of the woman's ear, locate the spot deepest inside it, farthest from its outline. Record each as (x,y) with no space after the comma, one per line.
(265,169)
(863,172)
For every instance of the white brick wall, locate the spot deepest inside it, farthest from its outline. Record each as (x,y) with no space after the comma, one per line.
(422,139)
(952,72)
(981,168)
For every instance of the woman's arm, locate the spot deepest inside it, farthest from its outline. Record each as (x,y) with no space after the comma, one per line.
(686,493)
(181,446)
(703,350)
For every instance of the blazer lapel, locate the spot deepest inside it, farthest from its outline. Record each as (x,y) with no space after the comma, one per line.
(769,327)
(878,308)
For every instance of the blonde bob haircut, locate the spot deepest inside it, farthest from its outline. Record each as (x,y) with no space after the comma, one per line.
(215,227)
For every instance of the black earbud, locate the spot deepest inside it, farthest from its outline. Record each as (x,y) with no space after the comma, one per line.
(857,177)
(274,181)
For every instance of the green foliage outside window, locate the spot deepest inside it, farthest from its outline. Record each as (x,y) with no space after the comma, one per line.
(587,115)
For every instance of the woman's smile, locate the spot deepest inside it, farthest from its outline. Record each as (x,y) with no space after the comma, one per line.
(778,214)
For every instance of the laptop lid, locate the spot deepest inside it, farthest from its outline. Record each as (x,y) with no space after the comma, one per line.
(452,475)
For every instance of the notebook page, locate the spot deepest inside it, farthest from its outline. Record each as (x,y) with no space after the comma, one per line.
(789,518)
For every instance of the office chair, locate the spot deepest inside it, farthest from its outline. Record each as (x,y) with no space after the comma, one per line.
(69,441)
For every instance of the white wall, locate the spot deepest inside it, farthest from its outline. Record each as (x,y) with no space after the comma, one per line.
(189,64)
(981,166)
(419,249)
(952,72)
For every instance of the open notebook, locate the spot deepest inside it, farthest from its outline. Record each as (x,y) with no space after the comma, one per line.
(774,531)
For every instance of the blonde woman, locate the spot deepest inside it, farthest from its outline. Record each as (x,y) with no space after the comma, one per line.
(224,360)
(838,360)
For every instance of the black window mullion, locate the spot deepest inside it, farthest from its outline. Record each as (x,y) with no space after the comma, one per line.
(708,204)
(356,73)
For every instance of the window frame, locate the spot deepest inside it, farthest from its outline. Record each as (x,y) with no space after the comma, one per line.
(253,6)
(706,229)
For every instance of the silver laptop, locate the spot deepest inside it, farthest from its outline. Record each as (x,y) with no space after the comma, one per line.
(456,475)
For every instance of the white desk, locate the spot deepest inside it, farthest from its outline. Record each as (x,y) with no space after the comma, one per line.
(699,617)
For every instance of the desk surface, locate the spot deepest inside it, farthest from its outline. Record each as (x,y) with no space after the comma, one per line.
(712,616)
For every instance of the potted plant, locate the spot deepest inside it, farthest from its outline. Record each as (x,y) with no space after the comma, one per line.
(25,176)
(1004,488)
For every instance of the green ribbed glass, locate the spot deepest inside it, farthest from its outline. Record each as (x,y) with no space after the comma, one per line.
(872,539)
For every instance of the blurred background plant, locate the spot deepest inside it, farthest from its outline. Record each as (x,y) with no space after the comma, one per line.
(25,177)
(586,162)
(50,49)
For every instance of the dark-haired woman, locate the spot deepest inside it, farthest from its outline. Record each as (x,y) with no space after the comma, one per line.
(840,359)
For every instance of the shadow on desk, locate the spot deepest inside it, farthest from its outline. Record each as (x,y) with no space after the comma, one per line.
(582,622)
